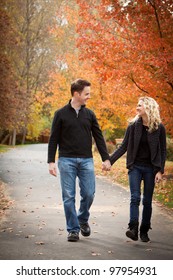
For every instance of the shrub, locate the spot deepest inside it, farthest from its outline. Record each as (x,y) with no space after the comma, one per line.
(169,149)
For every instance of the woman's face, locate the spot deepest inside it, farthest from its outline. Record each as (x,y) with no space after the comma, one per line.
(140,109)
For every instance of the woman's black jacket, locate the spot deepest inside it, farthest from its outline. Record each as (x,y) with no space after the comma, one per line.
(130,144)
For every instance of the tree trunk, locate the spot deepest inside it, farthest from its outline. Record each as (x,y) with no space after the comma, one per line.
(5,139)
(1,134)
(14,137)
(24,136)
(10,140)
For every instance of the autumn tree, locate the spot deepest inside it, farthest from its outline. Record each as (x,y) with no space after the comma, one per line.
(33,56)
(130,44)
(9,94)
(70,67)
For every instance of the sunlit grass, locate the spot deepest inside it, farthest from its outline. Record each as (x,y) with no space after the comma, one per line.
(164,193)
(4,148)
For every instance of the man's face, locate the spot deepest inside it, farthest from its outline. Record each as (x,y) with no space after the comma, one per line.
(84,96)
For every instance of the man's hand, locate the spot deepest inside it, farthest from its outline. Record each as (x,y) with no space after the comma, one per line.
(106,165)
(158,177)
(52,169)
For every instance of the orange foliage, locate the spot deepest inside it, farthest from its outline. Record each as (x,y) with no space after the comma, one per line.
(111,109)
(130,47)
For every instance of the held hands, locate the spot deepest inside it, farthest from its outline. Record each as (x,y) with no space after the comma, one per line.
(52,169)
(106,165)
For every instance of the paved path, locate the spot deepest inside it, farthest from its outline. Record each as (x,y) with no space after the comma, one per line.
(34,226)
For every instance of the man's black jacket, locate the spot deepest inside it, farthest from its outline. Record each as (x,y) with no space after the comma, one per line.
(73,132)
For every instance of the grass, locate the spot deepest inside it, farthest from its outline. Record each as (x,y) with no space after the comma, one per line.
(163,192)
(4,148)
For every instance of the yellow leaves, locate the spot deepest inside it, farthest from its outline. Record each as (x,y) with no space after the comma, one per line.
(36,123)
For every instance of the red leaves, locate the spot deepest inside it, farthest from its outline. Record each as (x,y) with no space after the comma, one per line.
(131,40)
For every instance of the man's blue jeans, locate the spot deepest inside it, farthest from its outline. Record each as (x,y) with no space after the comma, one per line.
(70,169)
(136,175)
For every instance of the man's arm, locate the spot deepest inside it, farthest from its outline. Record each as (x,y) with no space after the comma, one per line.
(54,137)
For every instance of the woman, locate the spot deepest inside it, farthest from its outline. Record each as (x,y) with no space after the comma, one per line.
(145,143)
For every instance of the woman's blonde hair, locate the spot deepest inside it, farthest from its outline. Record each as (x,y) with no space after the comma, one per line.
(152,112)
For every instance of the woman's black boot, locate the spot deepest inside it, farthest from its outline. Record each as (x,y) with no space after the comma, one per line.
(132,233)
(144,233)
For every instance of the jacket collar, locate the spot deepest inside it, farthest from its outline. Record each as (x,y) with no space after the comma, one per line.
(69,103)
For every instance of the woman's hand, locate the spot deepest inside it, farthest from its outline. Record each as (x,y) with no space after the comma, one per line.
(158,177)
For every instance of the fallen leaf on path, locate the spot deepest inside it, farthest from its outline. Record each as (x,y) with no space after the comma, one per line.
(39,243)
(9,229)
(29,236)
(95,254)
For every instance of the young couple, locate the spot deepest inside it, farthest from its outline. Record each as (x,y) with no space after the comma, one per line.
(73,127)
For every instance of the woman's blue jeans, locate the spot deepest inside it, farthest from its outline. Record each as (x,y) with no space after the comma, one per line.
(136,175)
(70,169)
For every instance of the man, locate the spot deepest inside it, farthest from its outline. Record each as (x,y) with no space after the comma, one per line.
(72,130)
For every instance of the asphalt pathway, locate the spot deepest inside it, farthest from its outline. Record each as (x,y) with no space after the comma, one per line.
(33,228)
